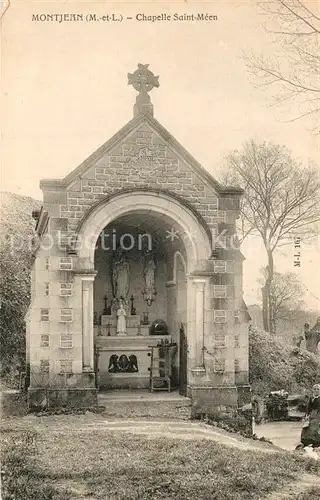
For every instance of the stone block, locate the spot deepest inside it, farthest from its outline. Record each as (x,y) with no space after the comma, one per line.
(241,377)
(92,182)
(76,186)
(229,203)
(58,224)
(75,398)
(244,394)
(90,174)
(53,209)
(55,197)
(212,399)
(67,215)
(117,151)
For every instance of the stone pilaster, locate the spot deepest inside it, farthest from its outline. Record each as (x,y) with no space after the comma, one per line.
(87,322)
(196,287)
(199,285)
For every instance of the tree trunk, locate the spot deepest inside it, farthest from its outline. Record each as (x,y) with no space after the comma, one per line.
(268,313)
(312,341)
(265,309)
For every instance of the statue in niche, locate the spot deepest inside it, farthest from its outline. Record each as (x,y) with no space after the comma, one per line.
(121,319)
(120,276)
(149,293)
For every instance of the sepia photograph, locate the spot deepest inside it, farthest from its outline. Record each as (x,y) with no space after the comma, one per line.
(160,250)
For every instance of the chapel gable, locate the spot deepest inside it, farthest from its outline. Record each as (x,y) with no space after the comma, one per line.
(145,158)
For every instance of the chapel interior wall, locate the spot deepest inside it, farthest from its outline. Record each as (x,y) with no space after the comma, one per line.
(103,283)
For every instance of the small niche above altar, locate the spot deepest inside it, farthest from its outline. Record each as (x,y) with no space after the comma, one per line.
(133,326)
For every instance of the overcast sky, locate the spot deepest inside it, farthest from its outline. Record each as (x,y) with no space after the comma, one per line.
(65,92)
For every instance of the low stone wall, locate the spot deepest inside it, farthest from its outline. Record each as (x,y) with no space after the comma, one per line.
(208,399)
(40,399)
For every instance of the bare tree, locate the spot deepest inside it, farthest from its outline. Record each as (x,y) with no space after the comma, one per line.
(312,336)
(285,296)
(281,201)
(294,67)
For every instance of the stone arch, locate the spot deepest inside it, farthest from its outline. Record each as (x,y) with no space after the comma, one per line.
(162,205)
(178,255)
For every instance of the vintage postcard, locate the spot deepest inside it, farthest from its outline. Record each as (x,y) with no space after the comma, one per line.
(159,239)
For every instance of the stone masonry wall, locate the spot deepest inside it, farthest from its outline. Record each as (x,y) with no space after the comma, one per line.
(144,161)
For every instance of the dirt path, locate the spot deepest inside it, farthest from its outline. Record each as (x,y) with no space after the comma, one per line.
(286,435)
(152,428)
(182,430)
(292,490)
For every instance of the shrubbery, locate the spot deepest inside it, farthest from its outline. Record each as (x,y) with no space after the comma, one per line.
(275,365)
(16,233)
(277,406)
(238,422)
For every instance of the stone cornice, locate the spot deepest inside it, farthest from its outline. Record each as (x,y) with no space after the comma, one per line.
(85,274)
(52,184)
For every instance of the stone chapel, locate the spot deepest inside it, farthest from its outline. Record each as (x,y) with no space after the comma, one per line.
(137,252)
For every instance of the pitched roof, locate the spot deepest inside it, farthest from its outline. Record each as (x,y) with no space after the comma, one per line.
(121,134)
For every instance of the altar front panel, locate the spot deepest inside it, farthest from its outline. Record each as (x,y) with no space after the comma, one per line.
(138,346)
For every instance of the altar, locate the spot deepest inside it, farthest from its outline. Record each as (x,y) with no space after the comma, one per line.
(124,360)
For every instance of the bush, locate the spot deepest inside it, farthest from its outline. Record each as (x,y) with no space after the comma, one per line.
(277,406)
(14,404)
(16,258)
(275,365)
(231,422)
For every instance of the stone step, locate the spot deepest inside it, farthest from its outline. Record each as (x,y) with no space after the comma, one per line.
(175,408)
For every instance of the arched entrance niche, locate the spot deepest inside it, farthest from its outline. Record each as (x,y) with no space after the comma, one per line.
(181,245)
(198,247)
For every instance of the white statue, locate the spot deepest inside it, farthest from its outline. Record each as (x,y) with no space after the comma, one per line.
(120,276)
(121,319)
(149,293)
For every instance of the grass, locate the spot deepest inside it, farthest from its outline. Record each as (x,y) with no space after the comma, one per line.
(311,494)
(67,464)
(20,479)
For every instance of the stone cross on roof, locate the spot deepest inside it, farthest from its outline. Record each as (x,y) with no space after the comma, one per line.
(143,80)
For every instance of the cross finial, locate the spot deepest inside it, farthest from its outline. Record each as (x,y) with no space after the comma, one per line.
(143,80)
